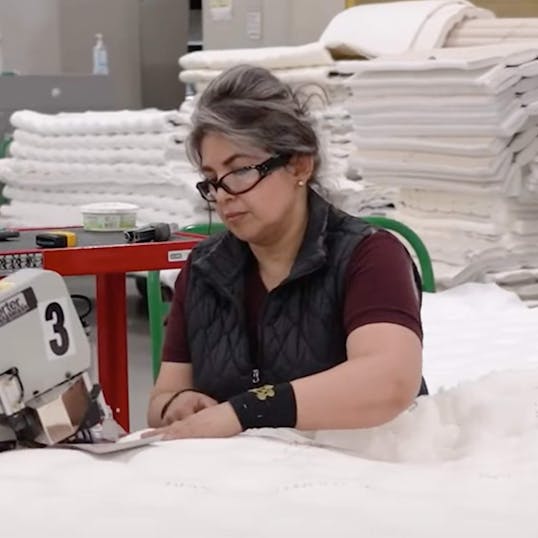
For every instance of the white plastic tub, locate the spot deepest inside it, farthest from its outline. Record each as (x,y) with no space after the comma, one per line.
(109,216)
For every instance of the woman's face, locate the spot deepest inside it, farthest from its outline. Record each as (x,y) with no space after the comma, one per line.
(259,215)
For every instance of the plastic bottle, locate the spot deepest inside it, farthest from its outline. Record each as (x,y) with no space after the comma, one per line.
(100,56)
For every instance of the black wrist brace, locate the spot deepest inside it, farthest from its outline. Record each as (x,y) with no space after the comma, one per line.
(269,406)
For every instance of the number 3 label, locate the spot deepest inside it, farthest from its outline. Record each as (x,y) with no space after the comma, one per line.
(57,329)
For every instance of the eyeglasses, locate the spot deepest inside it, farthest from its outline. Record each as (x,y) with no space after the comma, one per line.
(241,180)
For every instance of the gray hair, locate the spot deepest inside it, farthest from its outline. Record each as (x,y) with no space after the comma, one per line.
(250,105)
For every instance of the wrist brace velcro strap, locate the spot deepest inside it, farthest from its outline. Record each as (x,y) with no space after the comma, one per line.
(173,397)
(269,406)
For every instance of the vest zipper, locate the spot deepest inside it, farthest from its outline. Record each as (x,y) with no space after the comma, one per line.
(258,360)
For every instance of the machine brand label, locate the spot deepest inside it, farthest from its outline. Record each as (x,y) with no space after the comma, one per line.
(17,305)
(178,255)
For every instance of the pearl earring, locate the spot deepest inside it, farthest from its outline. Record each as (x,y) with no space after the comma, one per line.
(300,183)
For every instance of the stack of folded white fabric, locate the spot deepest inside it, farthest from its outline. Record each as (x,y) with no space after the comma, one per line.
(357,33)
(347,191)
(59,162)
(471,33)
(456,130)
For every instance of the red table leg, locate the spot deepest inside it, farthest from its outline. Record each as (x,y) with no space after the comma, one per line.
(112,344)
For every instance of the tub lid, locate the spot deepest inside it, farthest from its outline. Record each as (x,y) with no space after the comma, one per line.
(109,207)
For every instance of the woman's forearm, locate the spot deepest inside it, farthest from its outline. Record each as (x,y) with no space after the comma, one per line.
(173,376)
(360,393)
(155,407)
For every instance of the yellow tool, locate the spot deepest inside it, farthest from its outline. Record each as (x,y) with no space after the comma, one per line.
(56,239)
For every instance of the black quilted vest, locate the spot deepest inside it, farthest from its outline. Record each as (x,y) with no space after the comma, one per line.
(300,330)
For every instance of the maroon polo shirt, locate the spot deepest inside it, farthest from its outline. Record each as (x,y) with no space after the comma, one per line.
(379,287)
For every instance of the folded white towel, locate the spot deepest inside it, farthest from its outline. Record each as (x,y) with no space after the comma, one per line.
(309,55)
(182,189)
(92,194)
(441,22)
(509,126)
(492,31)
(292,76)
(519,276)
(484,41)
(97,123)
(528,69)
(116,141)
(528,154)
(470,59)
(16,169)
(498,183)
(526,85)
(451,271)
(482,116)
(97,156)
(529,98)
(505,224)
(377,171)
(419,103)
(496,24)
(487,81)
(362,30)
(451,145)
(488,208)
(532,109)
(522,140)
(381,161)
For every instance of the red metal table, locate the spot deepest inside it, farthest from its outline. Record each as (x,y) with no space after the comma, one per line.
(109,258)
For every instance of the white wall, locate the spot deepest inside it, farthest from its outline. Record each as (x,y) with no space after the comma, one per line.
(119,22)
(164,29)
(310,17)
(224,34)
(284,22)
(30,36)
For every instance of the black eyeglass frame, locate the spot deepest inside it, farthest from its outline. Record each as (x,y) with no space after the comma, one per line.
(264,169)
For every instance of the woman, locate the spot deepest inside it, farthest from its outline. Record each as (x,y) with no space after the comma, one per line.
(299,315)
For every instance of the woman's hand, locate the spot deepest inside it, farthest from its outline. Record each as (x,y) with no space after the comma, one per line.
(215,421)
(186,404)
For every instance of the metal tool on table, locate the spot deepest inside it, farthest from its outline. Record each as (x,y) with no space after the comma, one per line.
(156,231)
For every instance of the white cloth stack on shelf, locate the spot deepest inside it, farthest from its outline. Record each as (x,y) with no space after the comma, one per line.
(452,129)
(59,162)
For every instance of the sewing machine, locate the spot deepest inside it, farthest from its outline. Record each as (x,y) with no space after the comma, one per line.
(46,395)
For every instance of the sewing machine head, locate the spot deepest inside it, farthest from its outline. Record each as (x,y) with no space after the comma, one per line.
(46,395)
